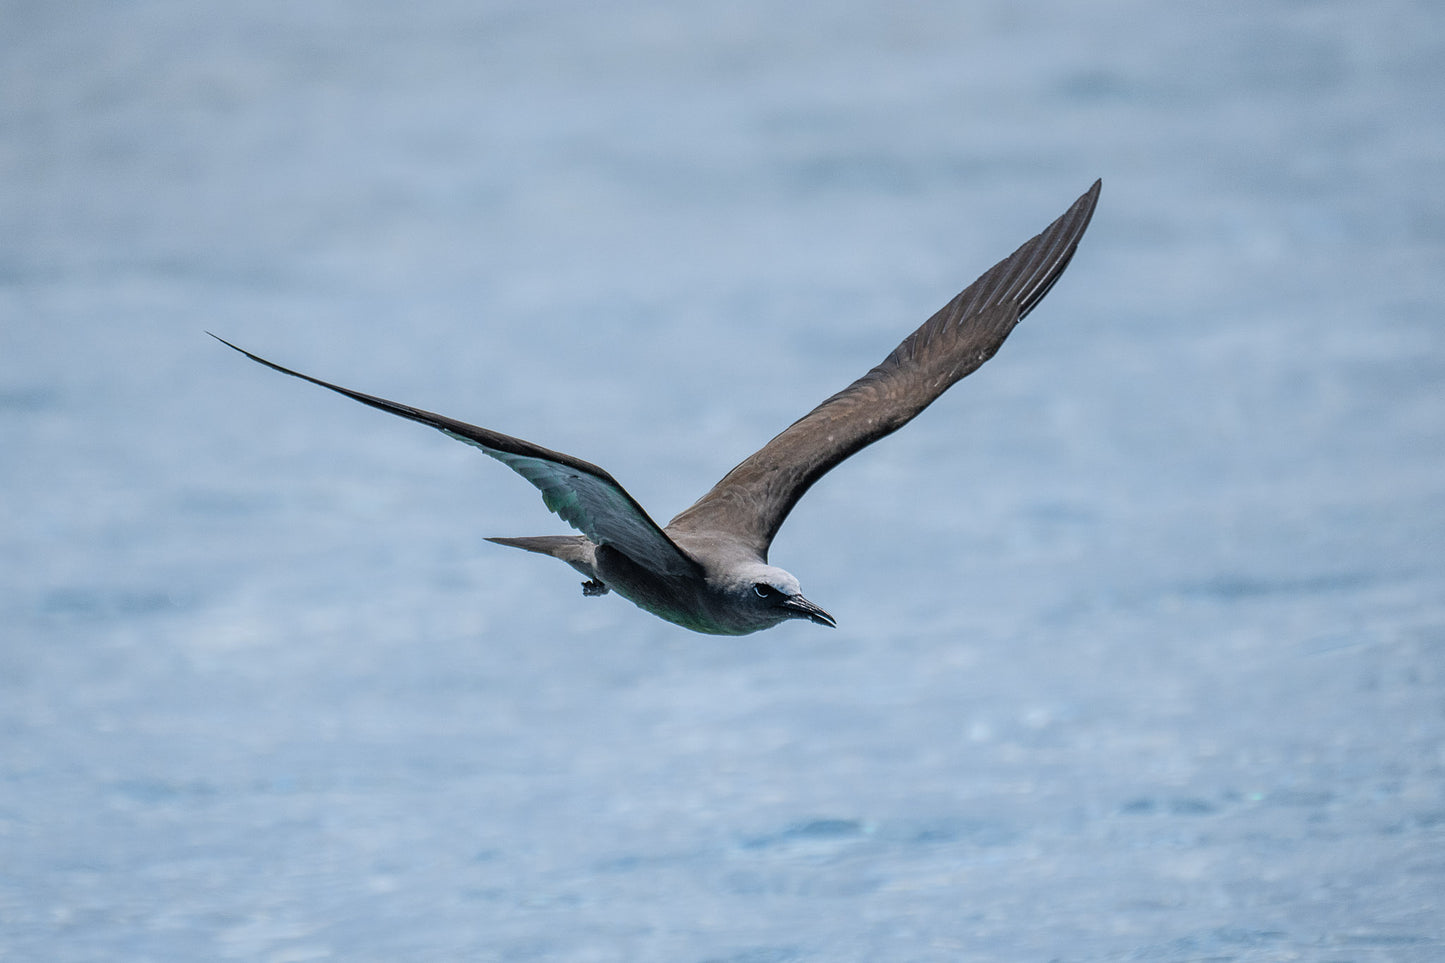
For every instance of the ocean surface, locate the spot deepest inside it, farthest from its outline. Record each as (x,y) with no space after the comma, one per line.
(1141,645)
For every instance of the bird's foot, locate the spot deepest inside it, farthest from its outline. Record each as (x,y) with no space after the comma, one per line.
(594,587)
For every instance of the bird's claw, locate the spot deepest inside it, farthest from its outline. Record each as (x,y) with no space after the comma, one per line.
(594,587)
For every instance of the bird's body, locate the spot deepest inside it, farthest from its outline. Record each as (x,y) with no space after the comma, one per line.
(708,570)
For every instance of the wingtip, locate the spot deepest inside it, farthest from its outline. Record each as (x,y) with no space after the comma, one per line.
(1090,198)
(273,365)
(229,344)
(1073,223)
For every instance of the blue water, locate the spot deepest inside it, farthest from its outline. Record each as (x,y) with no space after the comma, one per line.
(1142,628)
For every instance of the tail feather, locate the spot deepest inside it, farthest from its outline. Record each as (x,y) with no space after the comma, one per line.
(576,550)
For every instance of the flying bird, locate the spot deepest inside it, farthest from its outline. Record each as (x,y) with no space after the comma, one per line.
(707,569)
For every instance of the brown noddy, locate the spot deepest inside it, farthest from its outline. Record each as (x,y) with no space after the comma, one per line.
(707,569)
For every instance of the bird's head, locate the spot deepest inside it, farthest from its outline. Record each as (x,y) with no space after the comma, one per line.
(770,595)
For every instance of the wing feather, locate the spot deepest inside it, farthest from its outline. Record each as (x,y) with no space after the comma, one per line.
(583,495)
(751,502)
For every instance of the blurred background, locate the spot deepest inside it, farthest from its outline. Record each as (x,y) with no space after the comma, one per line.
(1142,627)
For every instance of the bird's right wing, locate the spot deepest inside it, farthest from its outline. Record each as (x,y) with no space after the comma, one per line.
(585,496)
(752,500)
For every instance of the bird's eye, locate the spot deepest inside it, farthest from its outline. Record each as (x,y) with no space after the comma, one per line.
(763,591)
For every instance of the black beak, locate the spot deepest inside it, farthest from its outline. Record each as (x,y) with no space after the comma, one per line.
(803,609)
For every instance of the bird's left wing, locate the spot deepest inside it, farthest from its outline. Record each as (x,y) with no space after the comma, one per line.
(751,501)
(585,496)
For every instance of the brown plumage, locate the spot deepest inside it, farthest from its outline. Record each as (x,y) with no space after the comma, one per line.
(754,498)
(707,570)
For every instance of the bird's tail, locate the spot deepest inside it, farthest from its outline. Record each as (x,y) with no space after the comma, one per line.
(576,550)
